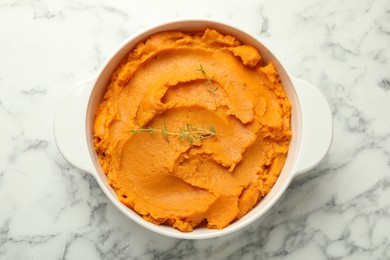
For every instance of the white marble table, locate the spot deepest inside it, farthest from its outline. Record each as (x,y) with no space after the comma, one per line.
(340,210)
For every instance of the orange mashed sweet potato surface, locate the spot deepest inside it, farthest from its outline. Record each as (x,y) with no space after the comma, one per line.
(207,81)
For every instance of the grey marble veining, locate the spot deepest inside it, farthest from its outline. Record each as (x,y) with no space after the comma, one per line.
(340,210)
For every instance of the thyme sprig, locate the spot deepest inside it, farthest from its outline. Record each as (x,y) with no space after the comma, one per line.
(209,81)
(189,133)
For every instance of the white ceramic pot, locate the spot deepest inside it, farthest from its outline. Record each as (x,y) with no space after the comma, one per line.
(311,124)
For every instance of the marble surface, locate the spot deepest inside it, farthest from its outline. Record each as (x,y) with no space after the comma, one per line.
(340,210)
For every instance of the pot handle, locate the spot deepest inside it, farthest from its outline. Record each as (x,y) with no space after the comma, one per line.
(69,126)
(317,126)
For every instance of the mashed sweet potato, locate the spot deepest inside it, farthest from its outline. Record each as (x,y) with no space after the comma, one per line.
(162,168)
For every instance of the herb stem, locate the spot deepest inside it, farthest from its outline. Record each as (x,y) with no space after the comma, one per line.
(172,133)
(189,132)
(209,82)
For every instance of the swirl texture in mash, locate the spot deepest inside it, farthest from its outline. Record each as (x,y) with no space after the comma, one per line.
(210,182)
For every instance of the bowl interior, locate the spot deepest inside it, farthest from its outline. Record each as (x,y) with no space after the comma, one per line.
(197,25)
